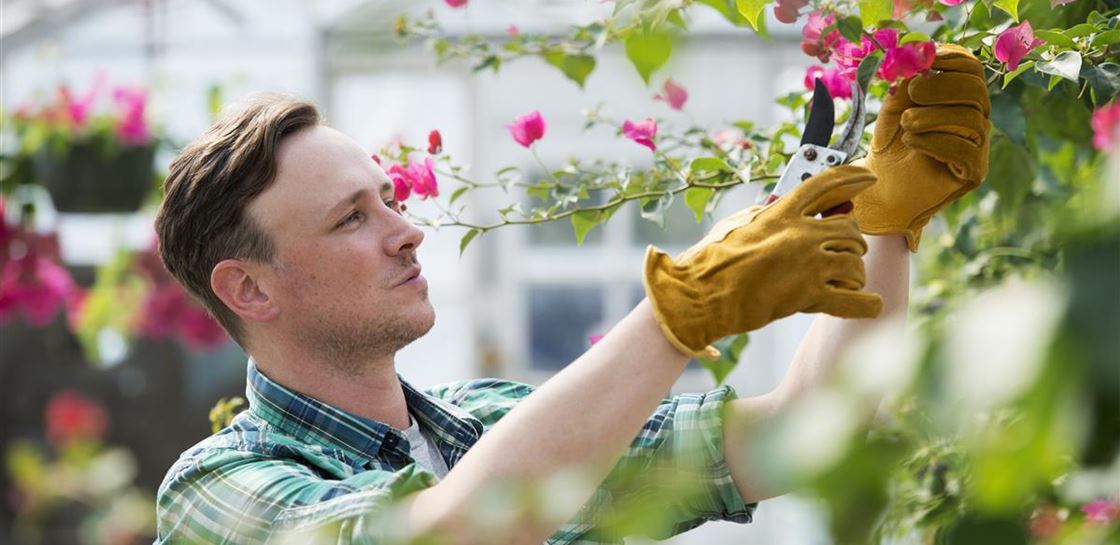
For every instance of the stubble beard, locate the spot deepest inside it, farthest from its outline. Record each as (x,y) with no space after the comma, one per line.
(351,345)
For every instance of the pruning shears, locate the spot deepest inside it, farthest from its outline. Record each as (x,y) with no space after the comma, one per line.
(814,155)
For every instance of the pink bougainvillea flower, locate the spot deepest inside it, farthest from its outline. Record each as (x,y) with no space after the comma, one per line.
(1045,521)
(402,182)
(1014,43)
(641,132)
(455,3)
(435,142)
(133,128)
(908,60)
(376,158)
(672,94)
(837,82)
(71,416)
(951,2)
(513,31)
(595,338)
(161,311)
(423,178)
(528,128)
(1101,511)
(1106,126)
(813,43)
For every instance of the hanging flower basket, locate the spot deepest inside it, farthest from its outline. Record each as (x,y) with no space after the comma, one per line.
(93,177)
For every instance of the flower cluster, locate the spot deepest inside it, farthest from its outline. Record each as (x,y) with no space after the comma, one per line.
(33,283)
(120,112)
(168,311)
(900,61)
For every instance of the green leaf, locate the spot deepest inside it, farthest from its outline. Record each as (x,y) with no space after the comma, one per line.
(1066,65)
(729,10)
(1104,80)
(751,10)
(1056,38)
(730,350)
(654,209)
(1008,117)
(1023,67)
(1010,6)
(576,67)
(697,200)
(851,28)
(467,238)
(913,37)
(458,193)
(873,11)
(708,164)
(867,68)
(648,52)
(1078,31)
(1107,37)
(583,222)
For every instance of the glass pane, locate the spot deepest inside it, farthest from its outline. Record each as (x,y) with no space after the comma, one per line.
(561,318)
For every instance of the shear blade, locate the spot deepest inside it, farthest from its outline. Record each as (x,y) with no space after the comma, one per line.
(822,117)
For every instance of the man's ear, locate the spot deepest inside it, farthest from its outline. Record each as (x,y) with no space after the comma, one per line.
(235,283)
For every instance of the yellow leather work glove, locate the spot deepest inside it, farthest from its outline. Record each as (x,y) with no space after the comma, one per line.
(764,263)
(930,147)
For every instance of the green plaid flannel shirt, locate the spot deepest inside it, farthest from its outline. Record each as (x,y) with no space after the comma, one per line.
(293,466)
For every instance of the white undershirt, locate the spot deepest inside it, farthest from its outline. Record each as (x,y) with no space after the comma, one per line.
(424,450)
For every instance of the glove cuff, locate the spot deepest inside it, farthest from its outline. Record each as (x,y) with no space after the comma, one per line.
(677,305)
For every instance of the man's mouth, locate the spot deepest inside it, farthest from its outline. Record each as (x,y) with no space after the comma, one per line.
(412,274)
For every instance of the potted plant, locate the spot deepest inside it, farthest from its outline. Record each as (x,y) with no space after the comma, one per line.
(90,159)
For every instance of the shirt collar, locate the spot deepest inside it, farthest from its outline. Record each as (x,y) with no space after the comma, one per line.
(309,420)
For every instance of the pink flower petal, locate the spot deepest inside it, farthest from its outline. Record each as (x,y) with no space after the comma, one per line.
(1106,126)
(402,182)
(641,132)
(1014,43)
(423,178)
(528,128)
(455,3)
(1101,511)
(672,94)
(838,83)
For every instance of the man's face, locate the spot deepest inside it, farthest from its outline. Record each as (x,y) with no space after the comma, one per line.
(345,280)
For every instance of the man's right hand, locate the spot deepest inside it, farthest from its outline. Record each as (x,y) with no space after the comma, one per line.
(765,263)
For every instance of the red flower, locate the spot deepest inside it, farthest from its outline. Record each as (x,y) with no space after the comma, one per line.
(455,3)
(814,44)
(786,10)
(34,286)
(435,142)
(71,416)
(199,330)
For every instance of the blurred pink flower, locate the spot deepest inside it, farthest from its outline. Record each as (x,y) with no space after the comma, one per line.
(595,338)
(641,132)
(132,101)
(34,286)
(1106,126)
(423,178)
(70,416)
(898,61)
(455,3)
(162,310)
(513,31)
(1014,43)
(951,2)
(1101,511)
(1044,522)
(839,85)
(813,43)
(199,330)
(674,95)
(402,187)
(528,128)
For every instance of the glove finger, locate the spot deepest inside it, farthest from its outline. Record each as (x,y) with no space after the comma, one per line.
(954,58)
(844,245)
(965,160)
(828,189)
(898,100)
(845,303)
(951,88)
(962,122)
(847,269)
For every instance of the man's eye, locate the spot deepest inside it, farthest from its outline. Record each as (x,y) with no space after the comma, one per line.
(353,217)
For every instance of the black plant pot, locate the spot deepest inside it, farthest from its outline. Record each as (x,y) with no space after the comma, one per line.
(88,177)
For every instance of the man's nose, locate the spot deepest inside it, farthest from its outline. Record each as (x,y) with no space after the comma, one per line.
(405,236)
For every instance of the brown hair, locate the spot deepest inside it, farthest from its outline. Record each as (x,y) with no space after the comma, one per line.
(202,220)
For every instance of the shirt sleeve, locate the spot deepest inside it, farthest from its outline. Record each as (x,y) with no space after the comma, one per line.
(674,476)
(232,496)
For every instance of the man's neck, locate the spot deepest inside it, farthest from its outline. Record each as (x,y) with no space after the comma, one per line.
(375,392)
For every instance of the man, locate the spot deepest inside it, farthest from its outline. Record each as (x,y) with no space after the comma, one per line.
(288,233)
